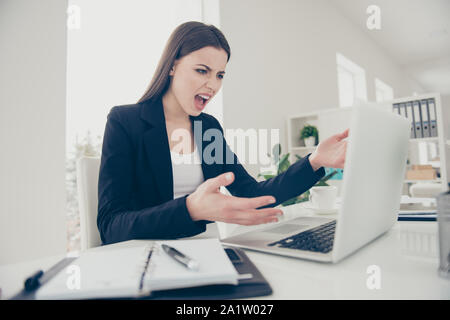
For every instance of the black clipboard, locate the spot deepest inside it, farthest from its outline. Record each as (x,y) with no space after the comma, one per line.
(248,287)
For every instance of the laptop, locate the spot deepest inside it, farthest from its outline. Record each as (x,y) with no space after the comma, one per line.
(374,170)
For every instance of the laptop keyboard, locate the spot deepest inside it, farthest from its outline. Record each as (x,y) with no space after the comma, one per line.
(319,239)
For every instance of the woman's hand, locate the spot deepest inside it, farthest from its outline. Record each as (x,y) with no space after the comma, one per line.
(208,203)
(330,152)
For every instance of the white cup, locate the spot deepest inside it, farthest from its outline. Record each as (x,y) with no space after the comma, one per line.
(323,198)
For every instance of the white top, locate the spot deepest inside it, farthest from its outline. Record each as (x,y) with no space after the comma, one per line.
(187,172)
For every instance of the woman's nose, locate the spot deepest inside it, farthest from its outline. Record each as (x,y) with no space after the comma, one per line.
(213,84)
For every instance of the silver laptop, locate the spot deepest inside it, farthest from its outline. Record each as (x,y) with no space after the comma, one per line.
(372,183)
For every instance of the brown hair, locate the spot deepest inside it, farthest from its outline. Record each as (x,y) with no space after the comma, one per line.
(186,38)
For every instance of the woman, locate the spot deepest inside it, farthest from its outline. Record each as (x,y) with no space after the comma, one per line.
(146,192)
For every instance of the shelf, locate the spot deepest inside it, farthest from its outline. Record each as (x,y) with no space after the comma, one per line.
(416,181)
(331,121)
(431,139)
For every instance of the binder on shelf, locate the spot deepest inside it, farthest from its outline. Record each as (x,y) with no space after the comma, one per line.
(410,111)
(425,118)
(395,108)
(408,114)
(405,110)
(417,119)
(432,118)
(402,110)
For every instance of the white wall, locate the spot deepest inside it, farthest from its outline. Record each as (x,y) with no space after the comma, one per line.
(32,119)
(113,54)
(283,61)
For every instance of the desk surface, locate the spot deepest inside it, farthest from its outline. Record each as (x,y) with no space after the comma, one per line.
(406,257)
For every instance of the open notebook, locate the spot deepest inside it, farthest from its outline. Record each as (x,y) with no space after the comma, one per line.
(128,272)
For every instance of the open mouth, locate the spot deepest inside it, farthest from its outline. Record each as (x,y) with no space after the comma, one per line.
(201,100)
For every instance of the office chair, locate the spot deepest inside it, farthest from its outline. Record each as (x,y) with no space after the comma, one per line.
(87,186)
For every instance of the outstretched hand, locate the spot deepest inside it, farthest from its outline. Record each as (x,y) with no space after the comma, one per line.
(208,203)
(330,152)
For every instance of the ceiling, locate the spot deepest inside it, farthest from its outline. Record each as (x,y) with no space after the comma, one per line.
(415,33)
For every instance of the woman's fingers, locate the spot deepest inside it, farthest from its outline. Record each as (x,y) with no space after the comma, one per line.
(250,203)
(343,135)
(343,155)
(214,184)
(254,216)
(255,222)
(264,213)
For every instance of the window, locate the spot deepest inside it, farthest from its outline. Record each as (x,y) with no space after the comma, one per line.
(383,92)
(113,48)
(351,81)
(428,152)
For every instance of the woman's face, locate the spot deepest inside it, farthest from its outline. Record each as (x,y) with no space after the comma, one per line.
(197,77)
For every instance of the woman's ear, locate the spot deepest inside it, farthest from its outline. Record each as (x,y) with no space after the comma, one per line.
(172,69)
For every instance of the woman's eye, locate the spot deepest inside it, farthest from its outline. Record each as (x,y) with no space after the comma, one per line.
(201,71)
(220,76)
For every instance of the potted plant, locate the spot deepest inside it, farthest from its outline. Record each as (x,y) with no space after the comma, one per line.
(310,135)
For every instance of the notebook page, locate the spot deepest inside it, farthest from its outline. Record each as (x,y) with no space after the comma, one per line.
(112,273)
(214,265)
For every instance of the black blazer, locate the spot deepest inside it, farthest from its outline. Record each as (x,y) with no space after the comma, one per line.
(135,188)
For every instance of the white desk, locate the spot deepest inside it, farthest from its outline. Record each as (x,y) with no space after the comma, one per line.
(407,257)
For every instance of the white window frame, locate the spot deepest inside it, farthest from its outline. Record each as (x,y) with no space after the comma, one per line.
(358,74)
(383,91)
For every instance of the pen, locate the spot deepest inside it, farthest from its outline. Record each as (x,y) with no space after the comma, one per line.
(32,282)
(40,277)
(180,257)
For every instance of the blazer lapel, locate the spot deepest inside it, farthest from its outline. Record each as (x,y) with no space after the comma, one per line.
(158,151)
(200,126)
(157,147)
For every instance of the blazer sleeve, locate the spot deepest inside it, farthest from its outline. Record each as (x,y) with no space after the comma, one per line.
(297,179)
(116,220)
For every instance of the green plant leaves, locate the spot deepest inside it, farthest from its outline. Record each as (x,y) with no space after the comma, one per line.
(284,164)
(266,175)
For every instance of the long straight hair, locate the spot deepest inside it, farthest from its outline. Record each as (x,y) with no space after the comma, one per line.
(186,38)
